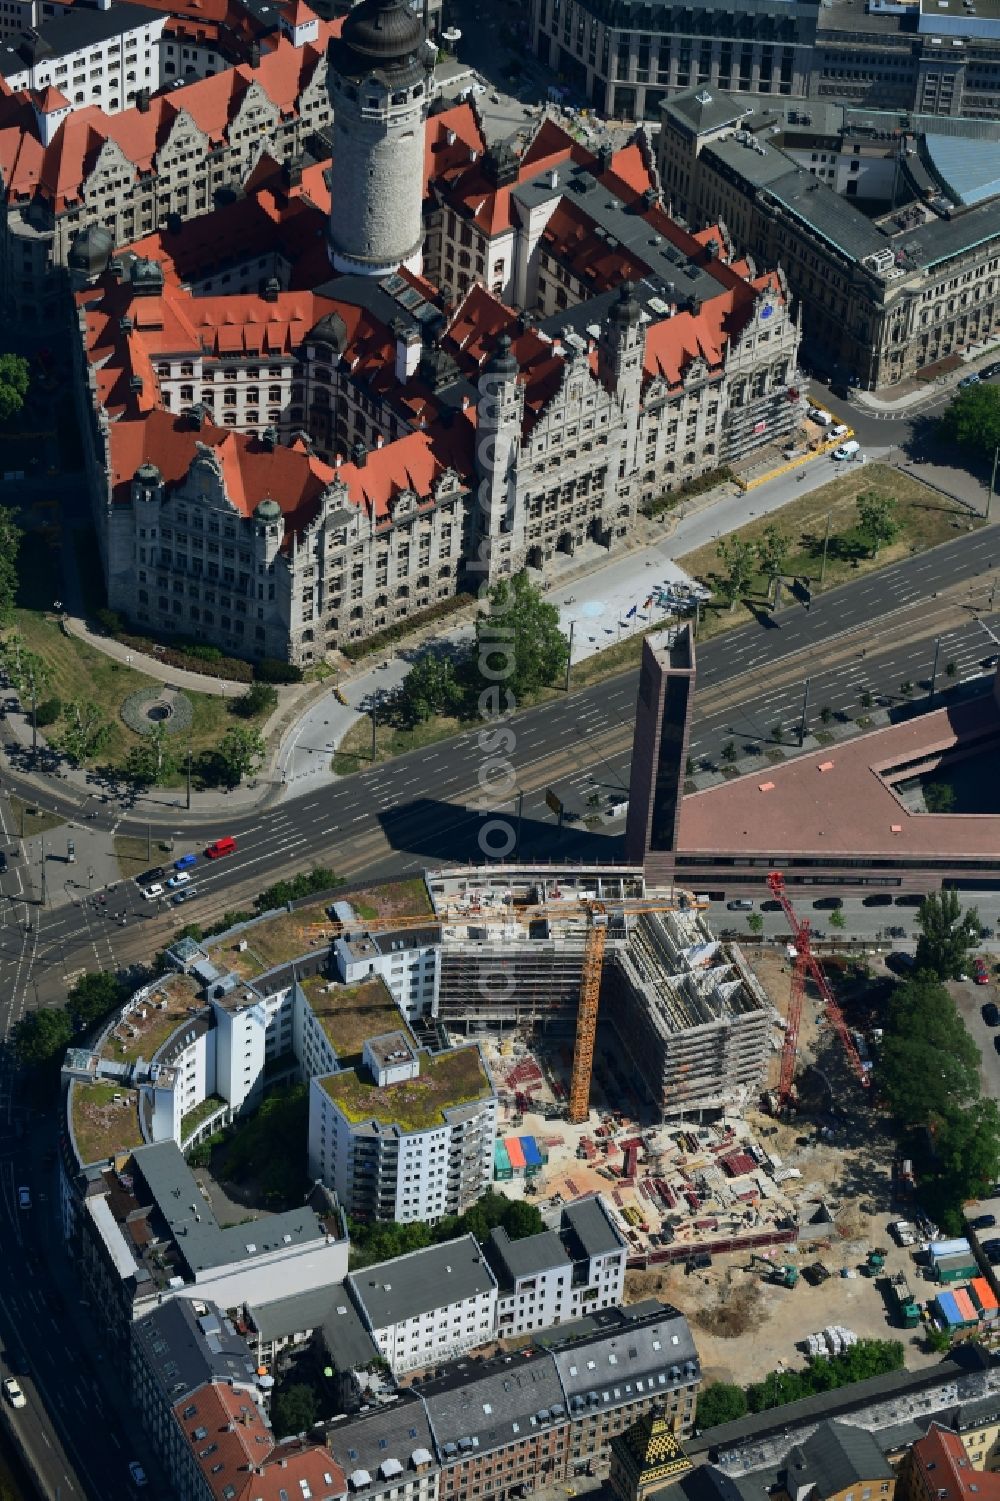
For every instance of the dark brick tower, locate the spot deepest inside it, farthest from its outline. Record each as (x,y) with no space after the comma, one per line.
(659,751)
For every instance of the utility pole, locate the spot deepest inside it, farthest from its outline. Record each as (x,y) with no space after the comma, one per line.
(937,652)
(189,777)
(803,722)
(993,482)
(826,544)
(374,726)
(34,723)
(520,810)
(149,844)
(569,655)
(45,884)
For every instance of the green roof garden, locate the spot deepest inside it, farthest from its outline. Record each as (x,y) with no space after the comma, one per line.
(446,1080)
(105,1120)
(351,1014)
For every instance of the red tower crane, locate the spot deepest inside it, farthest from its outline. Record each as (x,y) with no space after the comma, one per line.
(806,962)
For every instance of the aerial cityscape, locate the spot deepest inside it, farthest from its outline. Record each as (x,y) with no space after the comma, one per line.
(499,750)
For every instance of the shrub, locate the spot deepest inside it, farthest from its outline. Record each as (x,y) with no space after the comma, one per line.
(354,650)
(270,670)
(260,698)
(111,621)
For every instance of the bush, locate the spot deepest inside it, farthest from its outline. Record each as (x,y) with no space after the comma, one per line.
(111,621)
(233,668)
(720,1402)
(304,884)
(355,650)
(48,712)
(260,698)
(684,492)
(270,670)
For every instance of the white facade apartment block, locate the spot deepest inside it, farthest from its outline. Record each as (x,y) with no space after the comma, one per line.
(538,1301)
(239,1050)
(411,969)
(428,1306)
(107,71)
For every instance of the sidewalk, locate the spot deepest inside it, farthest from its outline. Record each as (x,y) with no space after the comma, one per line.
(909,395)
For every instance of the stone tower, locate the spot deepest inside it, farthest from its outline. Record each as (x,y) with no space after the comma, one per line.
(381,80)
(497,541)
(659,751)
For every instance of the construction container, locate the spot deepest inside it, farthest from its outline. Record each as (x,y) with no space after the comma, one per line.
(533,1159)
(985,1299)
(957,1246)
(955,1268)
(907,1306)
(951,1315)
(515,1153)
(501,1163)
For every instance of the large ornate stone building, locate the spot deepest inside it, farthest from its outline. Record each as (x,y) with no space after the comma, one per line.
(285,459)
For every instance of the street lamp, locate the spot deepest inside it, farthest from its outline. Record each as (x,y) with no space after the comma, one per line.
(993,481)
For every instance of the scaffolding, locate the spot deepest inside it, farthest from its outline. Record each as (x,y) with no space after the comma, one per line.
(586,1019)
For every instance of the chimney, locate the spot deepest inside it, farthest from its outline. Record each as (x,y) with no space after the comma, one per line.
(255,54)
(408,346)
(465,403)
(338,461)
(142,101)
(554,177)
(269,438)
(271,289)
(604,156)
(379,440)
(649,198)
(291,174)
(359,453)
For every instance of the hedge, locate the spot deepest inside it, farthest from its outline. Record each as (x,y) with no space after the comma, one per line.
(354,650)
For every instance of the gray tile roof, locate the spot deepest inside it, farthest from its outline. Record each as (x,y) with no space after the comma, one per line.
(79,28)
(481,1405)
(405,1287)
(703,109)
(834,1458)
(281,1318)
(587,1231)
(511,1259)
(348,1342)
(626,1353)
(183,1349)
(395,1432)
(200,1240)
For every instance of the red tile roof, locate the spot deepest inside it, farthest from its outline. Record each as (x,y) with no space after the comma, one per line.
(50,99)
(946,1471)
(236,1453)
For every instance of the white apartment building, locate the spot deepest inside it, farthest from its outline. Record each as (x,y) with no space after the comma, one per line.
(557,1277)
(427,1307)
(392,1151)
(408,962)
(104,56)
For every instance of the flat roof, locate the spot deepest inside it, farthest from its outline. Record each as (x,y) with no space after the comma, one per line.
(983,9)
(445,1082)
(351,1014)
(184,1348)
(586,1222)
(969,170)
(105,1119)
(391,1292)
(838,801)
(511,1259)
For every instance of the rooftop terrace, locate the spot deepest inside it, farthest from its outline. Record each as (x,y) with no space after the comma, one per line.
(150,1021)
(272,941)
(446,1080)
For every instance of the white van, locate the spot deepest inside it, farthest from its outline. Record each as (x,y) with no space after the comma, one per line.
(847,450)
(817,414)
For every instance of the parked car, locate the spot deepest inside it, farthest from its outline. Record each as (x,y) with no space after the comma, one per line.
(138,1473)
(24,1197)
(839,430)
(969,380)
(991,1014)
(983,1222)
(847,450)
(740,904)
(880,899)
(828,903)
(996,1044)
(13,1393)
(180,879)
(980,974)
(909,899)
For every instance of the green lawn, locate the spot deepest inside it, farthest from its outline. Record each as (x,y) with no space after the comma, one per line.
(31,819)
(926,519)
(446,1080)
(79,672)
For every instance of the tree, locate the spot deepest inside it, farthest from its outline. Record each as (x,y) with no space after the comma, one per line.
(154,758)
(720,1402)
(48,712)
(738,558)
(93,997)
(951,668)
(968,1149)
(973,418)
(10,542)
(41,1037)
(773,546)
(294,1409)
(84,733)
(866,699)
(838,920)
(14,379)
(519,644)
(260,698)
(241,752)
(947,934)
(906,688)
(23,667)
(878,524)
(778,732)
(939,797)
(728,752)
(430,687)
(755,923)
(826,714)
(928,1065)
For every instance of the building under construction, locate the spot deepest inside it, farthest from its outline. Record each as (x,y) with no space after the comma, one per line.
(518,946)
